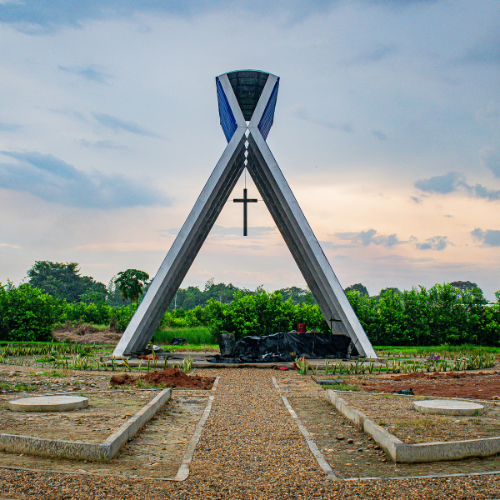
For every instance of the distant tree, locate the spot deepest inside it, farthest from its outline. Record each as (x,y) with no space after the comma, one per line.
(114,297)
(63,281)
(463,285)
(191,297)
(132,283)
(390,289)
(358,287)
(298,295)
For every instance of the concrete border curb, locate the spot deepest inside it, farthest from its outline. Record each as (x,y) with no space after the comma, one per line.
(325,466)
(183,472)
(134,424)
(414,453)
(105,451)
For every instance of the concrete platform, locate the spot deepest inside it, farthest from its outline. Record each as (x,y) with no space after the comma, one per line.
(448,407)
(49,403)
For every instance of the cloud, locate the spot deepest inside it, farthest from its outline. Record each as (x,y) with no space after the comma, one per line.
(71,113)
(48,16)
(91,72)
(117,125)
(225,233)
(487,52)
(416,199)
(434,243)
(254,232)
(104,144)
(370,236)
(10,245)
(444,184)
(491,112)
(54,180)
(166,233)
(374,54)
(9,127)
(379,135)
(489,238)
(479,191)
(491,160)
(304,114)
(453,181)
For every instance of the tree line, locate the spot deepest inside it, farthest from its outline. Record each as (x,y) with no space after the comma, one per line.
(63,281)
(453,313)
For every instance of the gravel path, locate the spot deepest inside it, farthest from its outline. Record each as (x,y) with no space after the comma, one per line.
(250,449)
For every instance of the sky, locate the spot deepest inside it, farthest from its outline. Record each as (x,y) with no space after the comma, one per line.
(387,129)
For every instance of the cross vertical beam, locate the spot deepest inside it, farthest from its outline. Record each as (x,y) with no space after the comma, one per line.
(245,200)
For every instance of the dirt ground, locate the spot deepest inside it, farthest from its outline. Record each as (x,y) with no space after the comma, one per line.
(356,454)
(470,385)
(86,334)
(170,377)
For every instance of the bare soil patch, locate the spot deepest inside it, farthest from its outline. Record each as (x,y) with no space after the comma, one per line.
(170,377)
(86,334)
(469,385)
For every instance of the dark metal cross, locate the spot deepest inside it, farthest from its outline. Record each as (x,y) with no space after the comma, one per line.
(245,202)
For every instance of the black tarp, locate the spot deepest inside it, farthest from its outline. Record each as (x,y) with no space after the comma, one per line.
(178,341)
(286,347)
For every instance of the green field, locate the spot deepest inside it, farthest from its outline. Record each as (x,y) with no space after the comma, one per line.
(429,350)
(195,335)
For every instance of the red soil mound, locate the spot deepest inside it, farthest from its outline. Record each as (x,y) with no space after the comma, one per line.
(171,377)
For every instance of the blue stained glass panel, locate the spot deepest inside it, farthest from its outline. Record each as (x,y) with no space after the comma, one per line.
(266,122)
(227,121)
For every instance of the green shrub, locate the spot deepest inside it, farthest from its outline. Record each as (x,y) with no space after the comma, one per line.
(27,314)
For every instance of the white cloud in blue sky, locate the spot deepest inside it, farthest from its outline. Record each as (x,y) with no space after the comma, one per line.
(490,237)
(370,237)
(91,72)
(52,179)
(388,117)
(46,16)
(434,243)
(452,182)
(117,125)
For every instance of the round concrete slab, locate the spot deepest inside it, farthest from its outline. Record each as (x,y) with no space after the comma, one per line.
(49,403)
(448,407)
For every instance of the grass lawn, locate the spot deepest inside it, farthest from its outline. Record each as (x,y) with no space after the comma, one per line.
(197,335)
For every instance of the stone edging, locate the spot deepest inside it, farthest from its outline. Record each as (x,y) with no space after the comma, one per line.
(105,451)
(325,466)
(414,453)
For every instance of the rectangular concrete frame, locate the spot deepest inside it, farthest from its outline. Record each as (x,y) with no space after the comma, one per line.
(414,453)
(77,450)
(286,213)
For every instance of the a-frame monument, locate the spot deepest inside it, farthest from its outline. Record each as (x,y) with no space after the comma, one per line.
(247,100)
